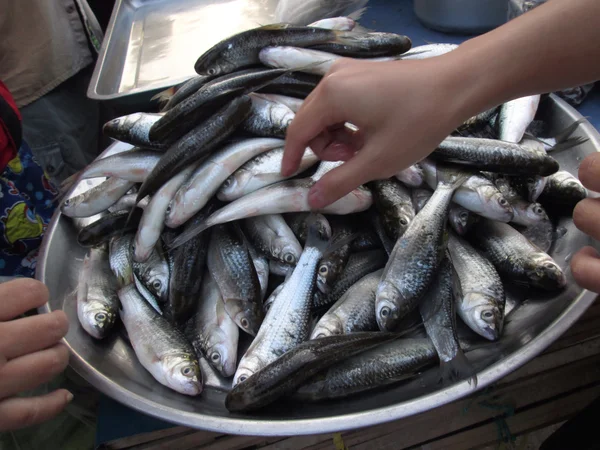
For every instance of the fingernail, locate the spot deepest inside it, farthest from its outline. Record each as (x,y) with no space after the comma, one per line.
(69,397)
(316,199)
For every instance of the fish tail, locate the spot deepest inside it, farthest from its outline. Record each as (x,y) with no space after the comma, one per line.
(564,134)
(356,15)
(163,97)
(452,175)
(314,237)
(458,368)
(568,143)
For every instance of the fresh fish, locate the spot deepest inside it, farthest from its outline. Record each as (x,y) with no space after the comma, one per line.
(211,331)
(299,223)
(290,370)
(477,194)
(197,144)
(119,251)
(302,12)
(261,265)
(428,51)
(286,323)
(394,203)
(515,117)
(295,84)
(335,23)
(231,266)
(460,219)
(561,193)
(271,235)
(278,268)
(417,255)
(103,229)
(354,311)
(365,240)
(208,177)
(286,196)
(412,176)
(368,45)
(377,222)
(135,130)
(193,110)
(516,258)
(333,263)
(526,214)
(478,290)
(154,273)
(153,218)
(187,264)
(305,60)
(185,90)
(438,312)
(134,165)
(291,102)
(97,199)
(541,234)
(160,347)
(476,124)
(495,156)
(148,296)
(97,300)
(259,172)
(128,202)
(389,363)
(267,118)
(241,50)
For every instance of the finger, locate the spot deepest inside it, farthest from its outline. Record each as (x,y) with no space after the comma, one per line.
(585,266)
(20,296)
(586,216)
(29,371)
(339,182)
(21,336)
(589,172)
(21,412)
(336,151)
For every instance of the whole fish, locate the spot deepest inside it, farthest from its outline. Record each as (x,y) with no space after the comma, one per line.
(97,199)
(368,45)
(295,84)
(495,156)
(188,263)
(106,227)
(299,223)
(428,51)
(526,214)
(307,12)
(412,176)
(438,312)
(97,300)
(119,253)
(267,118)
(134,165)
(153,218)
(332,264)
(478,290)
(286,196)
(359,265)
(394,203)
(135,130)
(271,235)
(515,116)
(208,177)
(385,364)
(241,50)
(154,273)
(291,102)
(335,23)
(417,255)
(561,193)
(197,144)
(211,331)
(261,171)
(287,322)
(160,347)
(214,94)
(354,311)
(477,194)
(290,370)
(515,257)
(460,219)
(185,90)
(231,266)
(261,265)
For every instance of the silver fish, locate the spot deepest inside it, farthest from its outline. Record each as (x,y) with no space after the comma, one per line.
(412,176)
(267,118)
(119,251)
(278,268)
(148,296)
(134,129)
(97,300)
(286,323)
(154,273)
(515,117)
(428,51)
(299,223)
(128,202)
(335,23)
(273,237)
(460,219)
(526,213)
(291,102)
(160,348)
(97,199)
(261,264)
(304,60)
(133,165)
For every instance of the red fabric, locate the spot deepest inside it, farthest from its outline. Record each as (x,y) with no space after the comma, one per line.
(8,149)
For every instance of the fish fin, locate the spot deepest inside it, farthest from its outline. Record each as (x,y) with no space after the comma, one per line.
(314,238)
(452,175)
(276,26)
(356,15)
(187,234)
(164,96)
(458,368)
(565,133)
(568,143)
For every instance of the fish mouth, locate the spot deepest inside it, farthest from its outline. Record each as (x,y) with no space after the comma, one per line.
(387,315)
(490,333)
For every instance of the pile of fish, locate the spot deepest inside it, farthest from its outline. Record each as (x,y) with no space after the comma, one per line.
(200,243)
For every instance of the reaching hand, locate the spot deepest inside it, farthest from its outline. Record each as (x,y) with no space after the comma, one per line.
(30,354)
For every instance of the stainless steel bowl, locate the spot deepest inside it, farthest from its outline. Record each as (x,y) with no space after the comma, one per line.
(461,16)
(111,365)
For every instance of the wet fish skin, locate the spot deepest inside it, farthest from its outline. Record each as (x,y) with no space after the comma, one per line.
(561,193)
(267,118)
(154,273)
(526,214)
(277,268)
(262,267)
(530,188)
(160,347)
(188,88)
(97,300)
(369,45)
(128,202)
(428,51)
(515,116)
(119,254)
(110,225)
(354,311)
(394,203)
(365,240)
(133,165)
(332,264)
(411,176)
(298,223)
(97,199)
(459,218)
(335,23)
(291,102)
(135,130)
(273,237)
(231,266)
(515,257)
(295,84)
(305,60)
(478,290)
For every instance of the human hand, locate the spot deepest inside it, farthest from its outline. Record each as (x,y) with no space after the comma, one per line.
(30,354)
(403,110)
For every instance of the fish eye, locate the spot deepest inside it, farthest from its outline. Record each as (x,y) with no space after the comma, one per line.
(67,202)
(503,202)
(320,335)
(156,285)
(549,265)
(403,221)
(168,211)
(323,270)
(530,180)
(385,311)
(227,183)
(187,371)
(538,210)
(487,315)
(100,317)
(242,378)
(244,322)
(215,357)
(212,71)
(289,258)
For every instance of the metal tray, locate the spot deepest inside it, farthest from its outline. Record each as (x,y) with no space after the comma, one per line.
(112,367)
(153,44)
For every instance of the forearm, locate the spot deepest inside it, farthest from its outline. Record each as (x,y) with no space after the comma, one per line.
(555,46)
